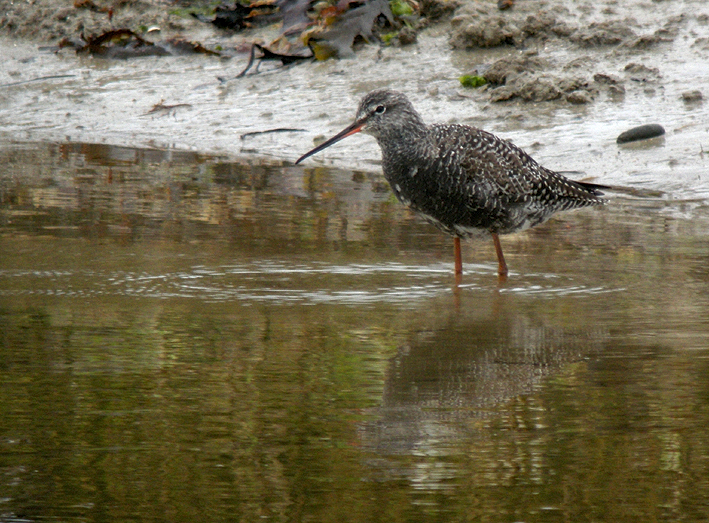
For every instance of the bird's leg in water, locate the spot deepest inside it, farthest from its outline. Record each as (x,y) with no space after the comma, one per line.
(501,265)
(457,256)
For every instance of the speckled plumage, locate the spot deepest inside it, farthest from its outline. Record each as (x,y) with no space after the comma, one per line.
(460,178)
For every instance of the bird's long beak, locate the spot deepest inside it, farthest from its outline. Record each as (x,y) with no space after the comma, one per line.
(348,131)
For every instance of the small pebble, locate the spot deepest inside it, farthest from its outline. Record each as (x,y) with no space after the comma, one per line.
(642,132)
(692,96)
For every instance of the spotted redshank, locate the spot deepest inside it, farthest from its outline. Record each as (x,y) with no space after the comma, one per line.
(463,180)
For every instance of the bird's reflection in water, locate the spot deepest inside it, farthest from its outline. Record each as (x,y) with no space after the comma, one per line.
(446,379)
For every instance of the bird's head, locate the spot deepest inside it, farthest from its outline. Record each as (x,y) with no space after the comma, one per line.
(378,113)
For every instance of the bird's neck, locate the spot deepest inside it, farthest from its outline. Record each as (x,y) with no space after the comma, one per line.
(410,143)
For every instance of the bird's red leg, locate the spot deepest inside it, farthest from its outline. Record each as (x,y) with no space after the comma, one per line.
(501,265)
(456,254)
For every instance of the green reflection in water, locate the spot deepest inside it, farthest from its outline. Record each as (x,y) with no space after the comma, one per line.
(185,338)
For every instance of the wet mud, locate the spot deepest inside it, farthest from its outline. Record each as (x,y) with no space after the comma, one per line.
(609,34)
(564,81)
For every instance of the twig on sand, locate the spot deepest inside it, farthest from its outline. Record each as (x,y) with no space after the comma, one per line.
(40,79)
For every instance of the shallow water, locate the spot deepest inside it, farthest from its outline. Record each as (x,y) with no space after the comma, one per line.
(189,338)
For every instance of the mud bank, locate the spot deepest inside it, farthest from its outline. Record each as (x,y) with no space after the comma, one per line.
(564,81)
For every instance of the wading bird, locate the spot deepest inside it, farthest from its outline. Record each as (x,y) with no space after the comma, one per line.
(462,179)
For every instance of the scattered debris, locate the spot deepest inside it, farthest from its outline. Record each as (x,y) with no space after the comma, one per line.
(278,130)
(118,43)
(39,79)
(404,36)
(227,17)
(472,80)
(237,16)
(295,15)
(321,30)
(181,47)
(124,43)
(334,36)
(266,54)
(164,109)
(401,8)
(642,132)
(328,29)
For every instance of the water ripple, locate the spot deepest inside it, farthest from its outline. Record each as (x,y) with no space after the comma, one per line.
(280,283)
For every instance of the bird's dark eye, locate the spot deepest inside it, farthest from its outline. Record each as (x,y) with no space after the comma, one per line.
(380,109)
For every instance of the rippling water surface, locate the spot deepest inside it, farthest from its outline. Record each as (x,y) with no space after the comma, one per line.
(191,338)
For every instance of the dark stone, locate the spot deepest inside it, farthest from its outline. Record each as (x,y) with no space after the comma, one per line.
(642,132)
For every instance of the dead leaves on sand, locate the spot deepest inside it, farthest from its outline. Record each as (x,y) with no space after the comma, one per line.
(329,28)
(309,28)
(335,29)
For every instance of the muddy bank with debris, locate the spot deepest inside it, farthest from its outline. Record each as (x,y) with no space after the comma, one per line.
(562,80)
(592,34)
(48,21)
(593,38)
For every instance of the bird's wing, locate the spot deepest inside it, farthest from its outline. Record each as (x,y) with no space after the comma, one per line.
(485,161)
(506,171)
